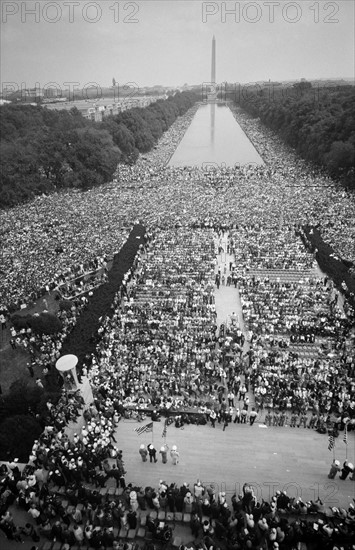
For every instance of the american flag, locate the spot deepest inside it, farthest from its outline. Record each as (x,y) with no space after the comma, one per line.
(164,429)
(331,442)
(345,438)
(144,429)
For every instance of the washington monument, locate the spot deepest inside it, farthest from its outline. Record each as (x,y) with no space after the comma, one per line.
(213,65)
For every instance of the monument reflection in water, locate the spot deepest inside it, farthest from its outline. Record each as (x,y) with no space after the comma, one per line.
(213,121)
(214,138)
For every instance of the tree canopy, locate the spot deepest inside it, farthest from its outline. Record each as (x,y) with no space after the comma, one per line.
(43,150)
(318,123)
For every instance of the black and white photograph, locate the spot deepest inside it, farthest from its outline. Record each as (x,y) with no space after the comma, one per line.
(177,275)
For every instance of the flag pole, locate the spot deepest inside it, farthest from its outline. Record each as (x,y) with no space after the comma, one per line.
(345,439)
(165,431)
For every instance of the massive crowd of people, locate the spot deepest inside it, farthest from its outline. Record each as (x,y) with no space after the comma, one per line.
(51,239)
(158,347)
(75,494)
(49,236)
(280,313)
(45,349)
(190,198)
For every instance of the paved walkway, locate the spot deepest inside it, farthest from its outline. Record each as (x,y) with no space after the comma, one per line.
(271,459)
(228,302)
(294,456)
(227,297)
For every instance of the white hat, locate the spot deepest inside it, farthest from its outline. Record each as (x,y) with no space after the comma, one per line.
(336,462)
(142,446)
(174,448)
(162,449)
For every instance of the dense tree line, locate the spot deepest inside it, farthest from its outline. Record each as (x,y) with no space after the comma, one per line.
(23,417)
(137,130)
(42,323)
(43,150)
(318,123)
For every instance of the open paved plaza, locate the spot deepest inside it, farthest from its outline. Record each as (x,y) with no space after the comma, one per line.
(270,459)
(293,459)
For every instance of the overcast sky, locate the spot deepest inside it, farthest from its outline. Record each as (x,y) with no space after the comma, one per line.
(169,42)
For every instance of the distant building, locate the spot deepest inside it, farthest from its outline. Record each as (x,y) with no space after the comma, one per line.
(99,111)
(55,100)
(33,92)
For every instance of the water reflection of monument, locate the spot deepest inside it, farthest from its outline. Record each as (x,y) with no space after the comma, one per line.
(213,95)
(213,116)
